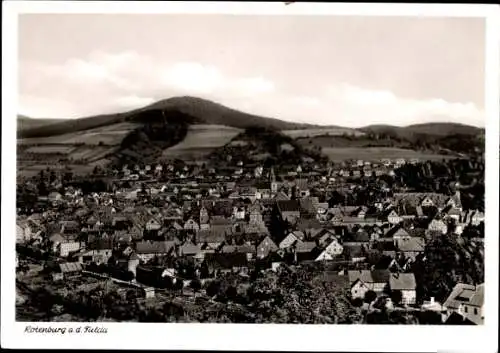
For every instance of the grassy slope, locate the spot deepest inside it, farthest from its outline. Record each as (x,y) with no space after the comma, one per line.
(203,112)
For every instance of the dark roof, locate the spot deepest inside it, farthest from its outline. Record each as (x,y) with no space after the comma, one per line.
(156,247)
(304,224)
(227,260)
(288,206)
(100,244)
(402,281)
(304,246)
(307,205)
(412,244)
(333,277)
(376,276)
(214,235)
(247,249)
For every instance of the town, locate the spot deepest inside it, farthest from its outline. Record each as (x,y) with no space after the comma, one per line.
(382,241)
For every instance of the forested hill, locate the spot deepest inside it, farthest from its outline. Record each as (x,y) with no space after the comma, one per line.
(200,110)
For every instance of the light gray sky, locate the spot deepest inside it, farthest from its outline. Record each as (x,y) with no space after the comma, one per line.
(331,70)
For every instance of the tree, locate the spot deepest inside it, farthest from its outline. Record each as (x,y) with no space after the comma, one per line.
(128,276)
(357,302)
(370,296)
(195,285)
(231,293)
(213,288)
(396,297)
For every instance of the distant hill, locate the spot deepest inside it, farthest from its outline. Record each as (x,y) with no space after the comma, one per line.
(435,129)
(201,111)
(24,122)
(450,136)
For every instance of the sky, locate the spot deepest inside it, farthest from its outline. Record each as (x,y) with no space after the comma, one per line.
(330,70)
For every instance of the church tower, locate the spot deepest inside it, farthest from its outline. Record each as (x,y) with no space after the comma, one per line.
(274,185)
(204,218)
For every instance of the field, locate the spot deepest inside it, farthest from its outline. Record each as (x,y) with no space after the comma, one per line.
(50,149)
(83,149)
(107,135)
(201,140)
(377,153)
(27,169)
(332,131)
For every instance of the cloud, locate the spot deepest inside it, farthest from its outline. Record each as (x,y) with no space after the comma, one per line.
(112,82)
(368,106)
(192,77)
(133,101)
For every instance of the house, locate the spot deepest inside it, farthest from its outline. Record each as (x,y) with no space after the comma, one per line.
(467,300)
(398,233)
(393,217)
(64,245)
(23,232)
(437,225)
(249,193)
(289,240)
(289,210)
(302,187)
(54,197)
(153,224)
(191,225)
(204,218)
(411,247)
(265,247)
(70,269)
(324,237)
(70,227)
(361,281)
(248,250)
(147,250)
(354,252)
(455,201)
(334,248)
(98,256)
(133,261)
(229,262)
(191,250)
(238,213)
(477,218)
(433,305)
(211,238)
(361,237)
(305,251)
(255,215)
(451,212)
(406,283)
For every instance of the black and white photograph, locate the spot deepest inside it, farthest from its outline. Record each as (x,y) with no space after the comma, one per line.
(289,168)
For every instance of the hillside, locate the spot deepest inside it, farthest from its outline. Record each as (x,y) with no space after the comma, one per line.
(202,112)
(435,129)
(191,128)
(24,122)
(267,146)
(432,136)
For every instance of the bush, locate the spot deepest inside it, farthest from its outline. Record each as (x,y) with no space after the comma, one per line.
(370,296)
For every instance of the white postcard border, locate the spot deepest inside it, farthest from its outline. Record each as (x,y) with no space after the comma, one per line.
(252,336)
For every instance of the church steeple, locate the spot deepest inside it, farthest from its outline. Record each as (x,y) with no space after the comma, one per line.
(272,180)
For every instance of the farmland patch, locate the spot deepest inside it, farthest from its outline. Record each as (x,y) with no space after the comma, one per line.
(201,140)
(377,153)
(335,131)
